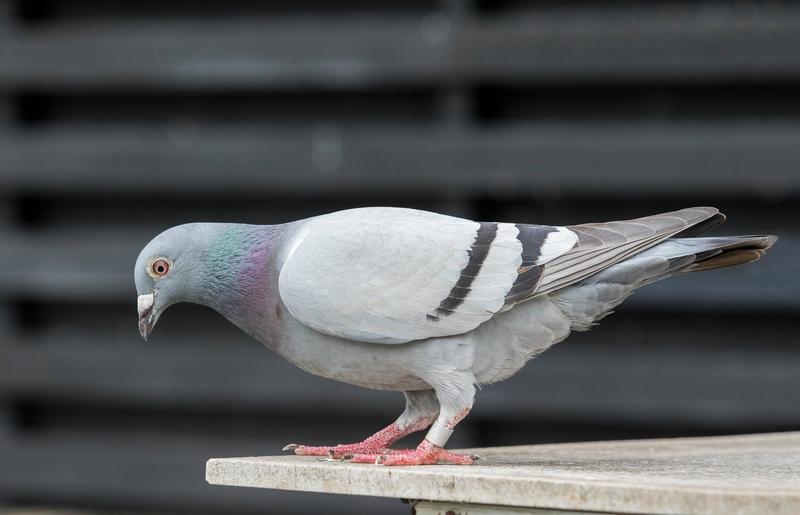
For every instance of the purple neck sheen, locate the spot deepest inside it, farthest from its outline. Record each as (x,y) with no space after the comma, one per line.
(241,277)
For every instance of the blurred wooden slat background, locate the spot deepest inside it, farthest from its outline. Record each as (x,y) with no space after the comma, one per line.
(119,119)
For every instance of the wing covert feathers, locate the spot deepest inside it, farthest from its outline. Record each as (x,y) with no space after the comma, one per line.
(388,275)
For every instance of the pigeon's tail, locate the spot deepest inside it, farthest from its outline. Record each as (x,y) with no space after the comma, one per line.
(699,254)
(592,299)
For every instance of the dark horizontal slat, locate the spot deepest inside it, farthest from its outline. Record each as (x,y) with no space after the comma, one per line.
(104,274)
(72,273)
(172,110)
(601,159)
(686,42)
(219,56)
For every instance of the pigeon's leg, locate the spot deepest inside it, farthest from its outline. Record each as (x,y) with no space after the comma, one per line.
(421,410)
(456,400)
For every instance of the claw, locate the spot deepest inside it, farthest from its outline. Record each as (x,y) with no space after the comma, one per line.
(347,457)
(379,459)
(290,447)
(476,457)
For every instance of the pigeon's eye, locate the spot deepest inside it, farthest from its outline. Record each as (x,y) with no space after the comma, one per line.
(159,267)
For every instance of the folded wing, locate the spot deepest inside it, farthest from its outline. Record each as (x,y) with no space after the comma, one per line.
(388,275)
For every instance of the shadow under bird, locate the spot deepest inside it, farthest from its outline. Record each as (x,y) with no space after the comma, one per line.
(417,302)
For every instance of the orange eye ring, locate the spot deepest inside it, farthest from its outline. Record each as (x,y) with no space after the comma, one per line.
(159,267)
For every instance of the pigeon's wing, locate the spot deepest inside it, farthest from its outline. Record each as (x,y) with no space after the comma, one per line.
(388,275)
(601,245)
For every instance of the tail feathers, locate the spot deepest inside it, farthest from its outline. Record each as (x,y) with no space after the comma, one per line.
(711,253)
(738,250)
(592,299)
(727,258)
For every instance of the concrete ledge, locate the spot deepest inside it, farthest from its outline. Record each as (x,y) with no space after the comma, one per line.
(750,474)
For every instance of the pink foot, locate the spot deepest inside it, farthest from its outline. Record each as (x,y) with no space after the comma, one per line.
(375,444)
(334,451)
(425,454)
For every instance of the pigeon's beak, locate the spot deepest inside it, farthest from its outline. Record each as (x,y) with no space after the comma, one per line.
(147,318)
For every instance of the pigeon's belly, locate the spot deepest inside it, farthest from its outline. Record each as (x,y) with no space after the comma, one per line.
(367,373)
(493,352)
(400,367)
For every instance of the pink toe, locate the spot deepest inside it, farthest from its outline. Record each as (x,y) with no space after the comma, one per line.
(365,458)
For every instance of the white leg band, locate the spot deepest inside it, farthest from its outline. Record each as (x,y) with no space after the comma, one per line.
(438,434)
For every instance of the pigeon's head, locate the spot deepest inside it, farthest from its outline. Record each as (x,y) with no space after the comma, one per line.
(166,271)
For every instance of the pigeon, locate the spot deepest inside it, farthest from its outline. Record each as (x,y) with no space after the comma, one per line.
(429,305)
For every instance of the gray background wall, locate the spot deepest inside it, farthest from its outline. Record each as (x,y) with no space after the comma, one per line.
(119,119)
